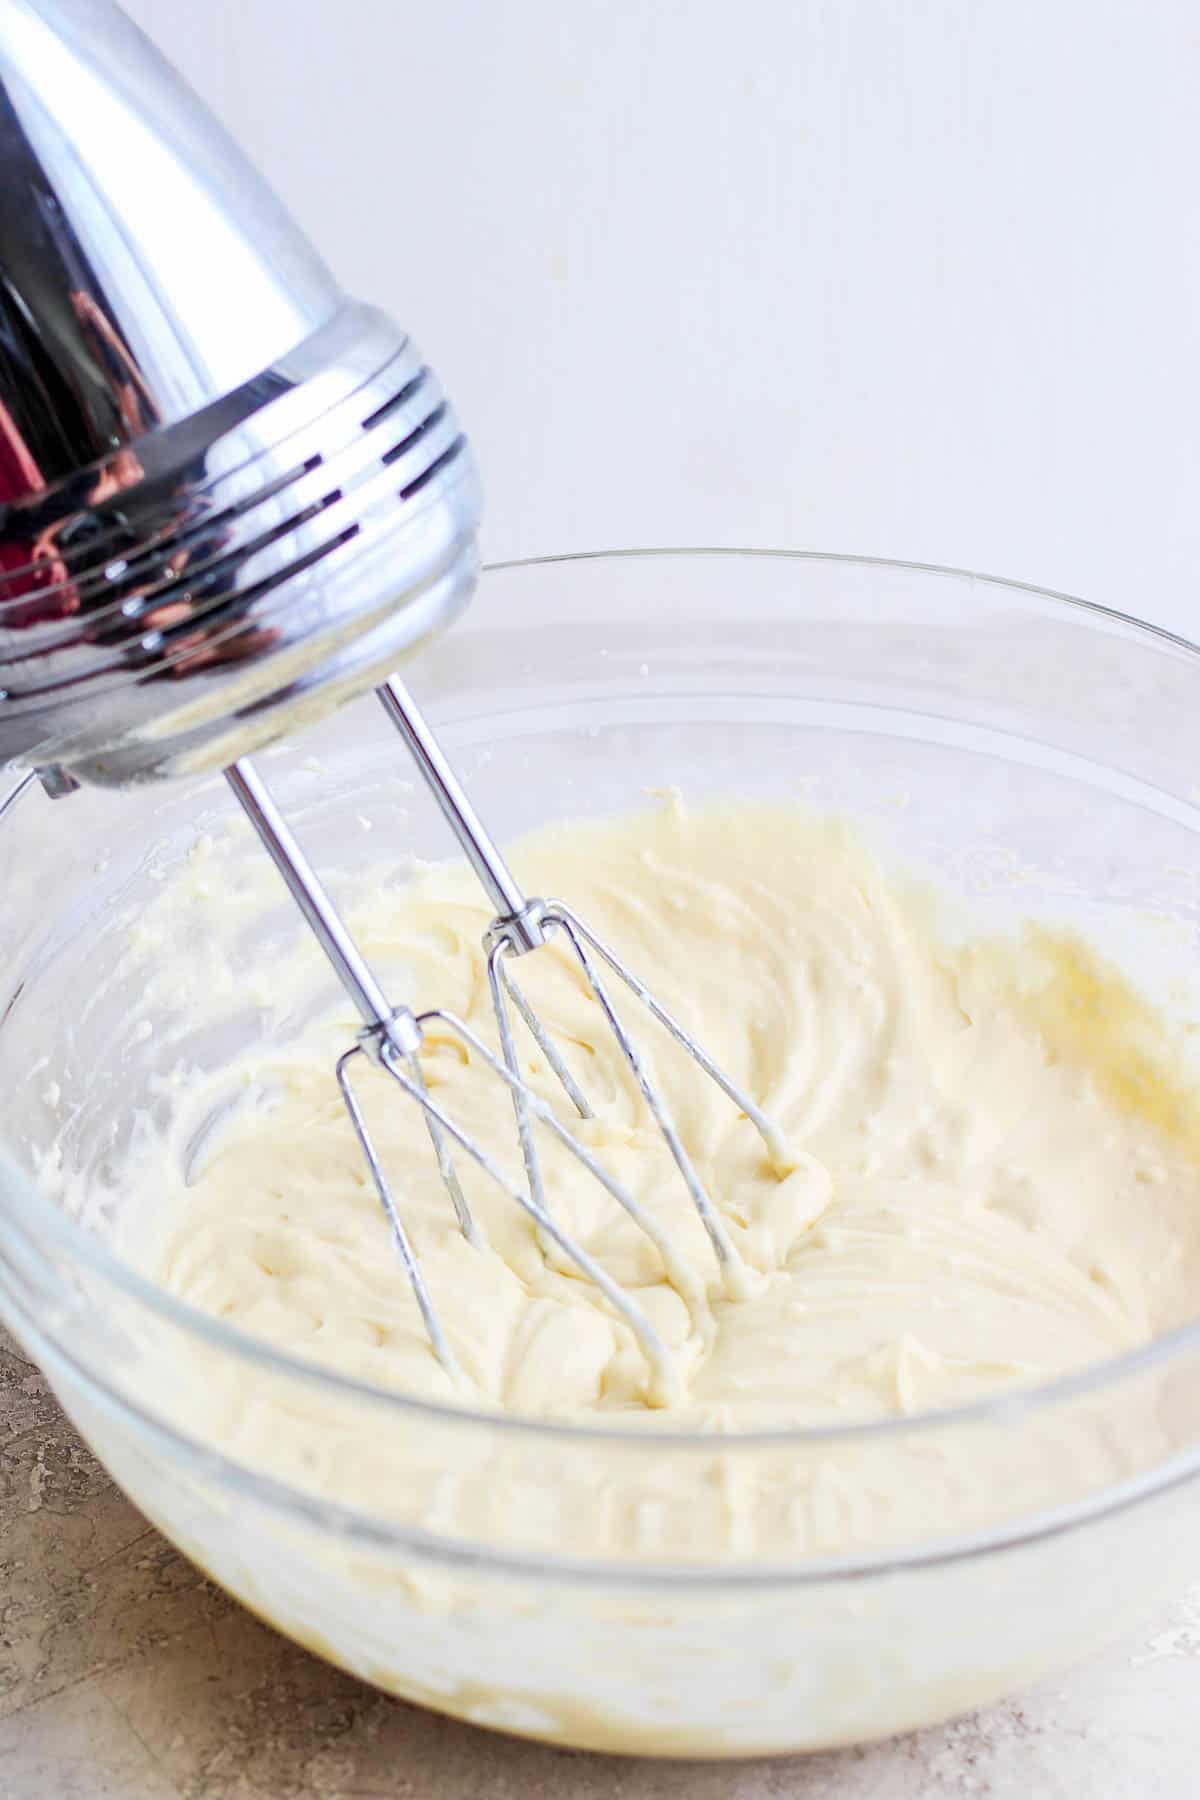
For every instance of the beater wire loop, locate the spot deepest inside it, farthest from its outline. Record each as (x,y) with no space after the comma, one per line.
(403,1243)
(501,950)
(580,934)
(501,992)
(724,1249)
(445,1162)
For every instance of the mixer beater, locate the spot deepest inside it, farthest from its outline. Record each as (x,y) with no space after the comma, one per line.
(392,1038)
(231,498)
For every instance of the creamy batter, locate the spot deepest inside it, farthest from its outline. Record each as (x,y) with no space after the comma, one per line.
(978,1199)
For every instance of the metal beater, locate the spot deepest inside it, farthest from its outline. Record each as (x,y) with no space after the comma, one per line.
(230,498)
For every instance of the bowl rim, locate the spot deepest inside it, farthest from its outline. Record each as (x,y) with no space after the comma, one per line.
(24,1209)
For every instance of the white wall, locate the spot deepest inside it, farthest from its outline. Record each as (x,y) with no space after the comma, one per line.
(920,279)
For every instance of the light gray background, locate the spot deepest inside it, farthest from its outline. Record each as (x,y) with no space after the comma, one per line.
(919,280)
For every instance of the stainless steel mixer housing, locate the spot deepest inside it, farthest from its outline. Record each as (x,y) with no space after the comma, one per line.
(229,495)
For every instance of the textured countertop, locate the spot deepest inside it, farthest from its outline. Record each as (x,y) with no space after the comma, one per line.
(125,1674)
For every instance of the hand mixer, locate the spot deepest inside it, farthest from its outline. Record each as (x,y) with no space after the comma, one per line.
(230,498)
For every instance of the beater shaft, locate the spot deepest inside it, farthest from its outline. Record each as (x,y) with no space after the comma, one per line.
(478,847)
(311,897)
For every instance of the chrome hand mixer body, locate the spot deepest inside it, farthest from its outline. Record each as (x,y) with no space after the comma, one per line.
(227,505)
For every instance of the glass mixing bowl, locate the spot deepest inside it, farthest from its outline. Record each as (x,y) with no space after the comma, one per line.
(1038,756)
